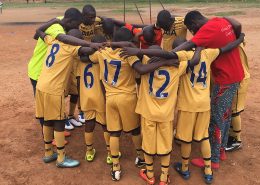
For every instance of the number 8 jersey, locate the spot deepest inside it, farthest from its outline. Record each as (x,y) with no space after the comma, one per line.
(194,90)
(158,92)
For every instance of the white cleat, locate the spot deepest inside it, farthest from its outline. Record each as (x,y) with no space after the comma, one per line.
(81,117)
(68,125)
(74,122)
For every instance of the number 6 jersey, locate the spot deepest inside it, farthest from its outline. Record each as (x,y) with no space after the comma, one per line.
(194,90)
(158,92)
(57,66)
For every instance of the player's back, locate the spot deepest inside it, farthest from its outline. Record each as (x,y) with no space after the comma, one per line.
(57,66)
(158,92)
(116,72)
(194,90)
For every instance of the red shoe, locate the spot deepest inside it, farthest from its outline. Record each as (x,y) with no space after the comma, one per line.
(199,162)
(54,142)
(67,134)
(165,183)
(144,177)
(223,155)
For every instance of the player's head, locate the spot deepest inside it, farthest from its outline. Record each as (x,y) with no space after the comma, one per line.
(178,41)
(72,19)
(98,39)
(75,33)
(194,20)
(122,34)
(89,14)
(108,26)
(164,20)
(148,34)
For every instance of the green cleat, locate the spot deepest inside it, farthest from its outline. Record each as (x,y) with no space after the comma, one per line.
(90,157)
(109,160)
(51,158)
(67,163)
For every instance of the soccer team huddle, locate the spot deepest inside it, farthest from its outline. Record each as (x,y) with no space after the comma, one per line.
(134,78)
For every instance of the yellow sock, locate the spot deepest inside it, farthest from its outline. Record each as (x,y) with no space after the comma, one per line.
(107,139)
(236,123)
(149,165)
(137,140)
(89,142)
(206,153)
(114,149)
(48,137)
(60,143)
(185,154)
(165,163)
(72,108)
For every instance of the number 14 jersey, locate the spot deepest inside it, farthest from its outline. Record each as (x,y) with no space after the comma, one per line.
(194,89)
(158,92)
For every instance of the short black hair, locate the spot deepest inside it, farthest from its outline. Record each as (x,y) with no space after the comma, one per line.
(123,34)
(88,8)
(73,14)
(108,25)
(191,16)
(98,39)
(148,33)
(178,41)
(75,33)
(163,15)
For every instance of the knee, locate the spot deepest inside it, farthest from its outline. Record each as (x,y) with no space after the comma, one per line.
(115,134)
(74,98)
(89,125)
(136,131)
(59,125)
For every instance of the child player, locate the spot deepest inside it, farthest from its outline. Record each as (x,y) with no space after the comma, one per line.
(92,103)
(50,102)
(118,77)
(234,141)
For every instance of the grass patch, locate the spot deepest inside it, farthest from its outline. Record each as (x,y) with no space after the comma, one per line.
(227,13)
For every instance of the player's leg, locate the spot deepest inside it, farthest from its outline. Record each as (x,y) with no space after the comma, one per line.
(62,160)
(48,137)
(131,123)
(114,126)
(184,133)
(221,102)
(148,129)
(72,107)
(107,140)
(89,128)
(164,137)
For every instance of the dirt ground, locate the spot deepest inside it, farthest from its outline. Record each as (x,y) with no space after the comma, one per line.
(21,146)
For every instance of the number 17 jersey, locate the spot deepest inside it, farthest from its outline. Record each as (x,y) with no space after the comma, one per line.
(158,92)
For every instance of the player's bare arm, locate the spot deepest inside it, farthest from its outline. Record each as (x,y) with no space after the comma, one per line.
(196,57)
(185,46)
(128,51)
(41,34)
(237,27)
(153,65)
(45,26)
(233,45)
(121,44)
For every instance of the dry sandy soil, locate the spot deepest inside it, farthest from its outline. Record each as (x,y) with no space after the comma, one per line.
(21,146)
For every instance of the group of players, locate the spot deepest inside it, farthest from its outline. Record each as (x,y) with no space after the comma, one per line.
(130,78)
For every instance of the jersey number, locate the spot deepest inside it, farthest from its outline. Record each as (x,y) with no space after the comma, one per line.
(159,93)
(202,75)
(51,57)
(86,74)
(116,63)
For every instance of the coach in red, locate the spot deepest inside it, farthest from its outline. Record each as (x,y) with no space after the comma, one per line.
(227,72)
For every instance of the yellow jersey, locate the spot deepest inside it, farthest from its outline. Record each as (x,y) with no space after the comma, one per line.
(244,61)
(116,73)
(178,29)
(91,95)
(158,92)
(89,31)
(194,89)
(57,66)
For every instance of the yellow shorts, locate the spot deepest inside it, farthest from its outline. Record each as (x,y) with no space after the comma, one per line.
(157,137)
(50,107)
(99,116)
(192,126)
(120,113)
(239,100)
